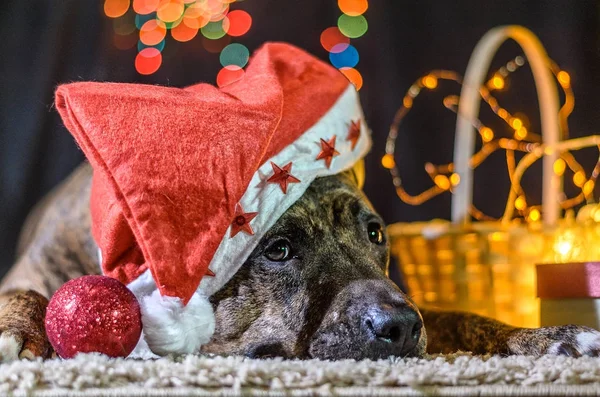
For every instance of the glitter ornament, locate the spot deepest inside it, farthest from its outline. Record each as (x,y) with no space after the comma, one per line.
(93,314)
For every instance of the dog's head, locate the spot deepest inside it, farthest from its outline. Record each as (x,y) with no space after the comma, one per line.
(317,285)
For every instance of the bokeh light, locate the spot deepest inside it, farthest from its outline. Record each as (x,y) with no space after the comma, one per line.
(234,54)
(229,75)
(215,46)
(237,23)
(333,40)
(148,61)
(183,32)
(153,32)
(170,10)
(124,25)
(115,8)
(353,76)
(213,30)
(160,46)
(140,20)
(353,27)
(353,7)
(144,7)
(347,58)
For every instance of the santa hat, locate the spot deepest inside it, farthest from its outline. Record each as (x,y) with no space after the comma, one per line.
(187,181)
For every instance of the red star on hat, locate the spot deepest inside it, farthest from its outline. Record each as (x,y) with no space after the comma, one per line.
(354,133)
(328,151)
(282,176)
(241,221)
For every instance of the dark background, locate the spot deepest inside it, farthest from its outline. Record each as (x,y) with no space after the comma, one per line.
(47,42)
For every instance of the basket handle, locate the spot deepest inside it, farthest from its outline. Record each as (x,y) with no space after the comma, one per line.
(468,110)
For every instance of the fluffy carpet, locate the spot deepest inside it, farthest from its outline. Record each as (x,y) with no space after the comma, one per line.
(456,375)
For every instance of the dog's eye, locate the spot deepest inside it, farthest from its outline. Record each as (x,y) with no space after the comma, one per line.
(375,232)
(279,251)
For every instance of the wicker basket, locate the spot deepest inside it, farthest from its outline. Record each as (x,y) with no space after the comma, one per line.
(487,267)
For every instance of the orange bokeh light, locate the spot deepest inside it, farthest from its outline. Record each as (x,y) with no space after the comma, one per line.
(353,76)
(331,37)
(183,32)
(148,61)
(170,10)
(353,8)
(153,32)
(144,7)
(237,23)
(228,75)
(115,8)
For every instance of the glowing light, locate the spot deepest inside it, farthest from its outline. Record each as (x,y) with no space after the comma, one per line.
(333,40)
(183,32)
(229,75)
(353,7)
(170,10)
(534,215)
(237,23)
(213,30)
(234,55)
(140,20)
(497,83)
(516,123)
(502,113)
(579,178)
(115,8)
(520,203)
(347,58)
(521,133)
(559,167)
(486,134)
(194,17)
(588,187)
(430,81)
(148,61)
(352,27)
(153,32)
(160,46)
(407,102)
(353,76)
(388,161)
(144,7)
(563,78)
(455,179)
(442,182)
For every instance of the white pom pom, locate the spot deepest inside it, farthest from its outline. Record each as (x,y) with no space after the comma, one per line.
(171,327)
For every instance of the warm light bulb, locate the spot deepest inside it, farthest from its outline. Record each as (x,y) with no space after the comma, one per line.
(579,178)
(486,134)
(497,83)
(455,179)
(521,133)
(407,102)
(588,187)
(502,113)
(388,161)
(442,182)
(520,203)
(430,81)
(563,78)
(559,167)
(534,215)
(516,123)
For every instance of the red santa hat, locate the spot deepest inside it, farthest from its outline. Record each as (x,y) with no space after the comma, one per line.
(187,181)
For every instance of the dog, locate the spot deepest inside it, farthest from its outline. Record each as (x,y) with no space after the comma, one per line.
(315,287)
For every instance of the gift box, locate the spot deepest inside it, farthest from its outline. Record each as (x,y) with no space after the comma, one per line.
(569,293)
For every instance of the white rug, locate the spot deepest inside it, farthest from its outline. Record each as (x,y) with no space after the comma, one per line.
(457,375)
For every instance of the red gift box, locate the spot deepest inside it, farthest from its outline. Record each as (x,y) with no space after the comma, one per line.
(568,280)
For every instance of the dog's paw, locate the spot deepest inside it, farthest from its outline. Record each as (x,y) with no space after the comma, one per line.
(566,340)
(22,331)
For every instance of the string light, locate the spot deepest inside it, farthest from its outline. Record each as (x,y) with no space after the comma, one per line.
(523,140)
(352,24)
(185,20)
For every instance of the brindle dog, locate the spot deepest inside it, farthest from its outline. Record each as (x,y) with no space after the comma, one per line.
(316,286)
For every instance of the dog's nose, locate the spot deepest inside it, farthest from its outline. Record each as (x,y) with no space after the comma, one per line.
(400,326)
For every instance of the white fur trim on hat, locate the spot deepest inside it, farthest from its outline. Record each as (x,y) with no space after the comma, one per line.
(172,327)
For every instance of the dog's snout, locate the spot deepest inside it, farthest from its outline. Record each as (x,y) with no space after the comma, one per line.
(397,325)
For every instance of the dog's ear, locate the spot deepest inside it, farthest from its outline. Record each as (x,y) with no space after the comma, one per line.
(357,173)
